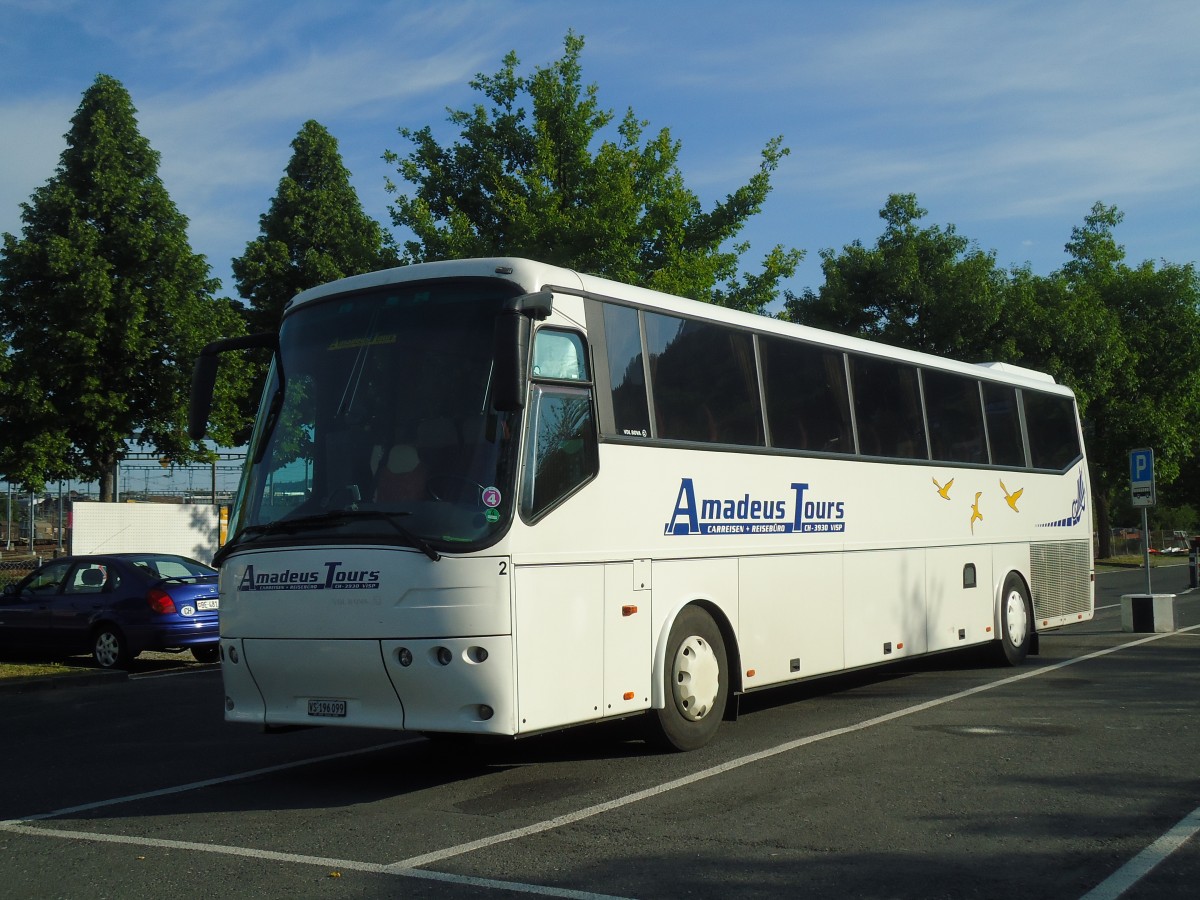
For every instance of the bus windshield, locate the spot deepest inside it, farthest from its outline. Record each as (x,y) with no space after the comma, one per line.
(376,424)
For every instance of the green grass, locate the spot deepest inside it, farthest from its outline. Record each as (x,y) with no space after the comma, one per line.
(36,669)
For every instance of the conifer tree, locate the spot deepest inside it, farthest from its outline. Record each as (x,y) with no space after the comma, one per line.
(105,308)
(315,231)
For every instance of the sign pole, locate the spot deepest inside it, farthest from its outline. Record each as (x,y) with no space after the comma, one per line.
(1142,493)
(1146,549)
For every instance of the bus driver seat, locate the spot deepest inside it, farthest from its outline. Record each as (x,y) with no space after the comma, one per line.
(400,475)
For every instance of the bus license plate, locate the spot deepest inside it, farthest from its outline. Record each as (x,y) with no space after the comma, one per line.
(330,708)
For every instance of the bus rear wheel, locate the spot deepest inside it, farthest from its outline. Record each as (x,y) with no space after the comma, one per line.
(696,683)
(1016,622)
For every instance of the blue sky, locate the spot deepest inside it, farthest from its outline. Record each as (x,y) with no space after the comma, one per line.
(1007,119)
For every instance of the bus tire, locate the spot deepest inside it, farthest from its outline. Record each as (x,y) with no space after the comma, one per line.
(696,682)
(1016,622)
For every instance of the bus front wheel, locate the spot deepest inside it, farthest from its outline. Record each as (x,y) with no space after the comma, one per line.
(1016,622)
(696,682)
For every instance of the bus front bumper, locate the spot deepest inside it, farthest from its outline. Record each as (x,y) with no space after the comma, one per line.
(460,685)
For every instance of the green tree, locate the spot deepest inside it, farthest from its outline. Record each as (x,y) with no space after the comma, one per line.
(315,231)
(538,172)
(105,308)
(926,289)
(1139,382)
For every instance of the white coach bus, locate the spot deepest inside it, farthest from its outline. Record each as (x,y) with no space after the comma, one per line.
(498,497)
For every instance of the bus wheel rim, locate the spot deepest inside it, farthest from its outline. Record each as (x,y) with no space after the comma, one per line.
(1017,620)
(697,678)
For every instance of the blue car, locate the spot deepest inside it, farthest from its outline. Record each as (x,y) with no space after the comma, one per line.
(114,606)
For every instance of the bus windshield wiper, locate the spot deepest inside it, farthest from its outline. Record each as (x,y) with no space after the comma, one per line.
(279,526)
(391,518)
(317,520)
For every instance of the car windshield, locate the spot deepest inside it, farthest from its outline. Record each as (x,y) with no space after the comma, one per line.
(376,423)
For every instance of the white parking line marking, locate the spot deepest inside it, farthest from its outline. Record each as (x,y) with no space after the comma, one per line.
(1140,866)
(637,796)
(325,862)
(408,868)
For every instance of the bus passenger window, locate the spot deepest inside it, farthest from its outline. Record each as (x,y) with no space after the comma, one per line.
(808,402)
(623,338)
(561,451)
(887,405)
(1004,425)
(955,415)
(1053,435)
(704,382)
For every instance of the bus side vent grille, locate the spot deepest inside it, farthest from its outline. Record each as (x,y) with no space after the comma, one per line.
(1061,576)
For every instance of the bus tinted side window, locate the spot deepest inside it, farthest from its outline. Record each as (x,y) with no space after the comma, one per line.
(1053,437)
(561,446)
(808,403)
(704,382)
(887,407)
(624,344)
(1003,425)
(955,415)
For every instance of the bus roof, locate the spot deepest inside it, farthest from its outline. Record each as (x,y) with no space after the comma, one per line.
(529,276)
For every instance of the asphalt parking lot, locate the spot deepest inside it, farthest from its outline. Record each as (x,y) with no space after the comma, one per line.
(1073,776)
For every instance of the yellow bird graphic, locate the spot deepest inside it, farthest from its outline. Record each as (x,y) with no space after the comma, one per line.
(975,513)
(1011,499)
(943,491)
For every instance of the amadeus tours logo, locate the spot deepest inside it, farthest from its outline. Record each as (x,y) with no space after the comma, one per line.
(335,578)
(803,511)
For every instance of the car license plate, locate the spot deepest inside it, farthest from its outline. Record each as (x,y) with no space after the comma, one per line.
(208,604)
(330,708)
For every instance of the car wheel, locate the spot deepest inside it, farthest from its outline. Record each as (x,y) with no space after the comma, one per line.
(696,683)
(1016,622)
(207,653)
(109,649)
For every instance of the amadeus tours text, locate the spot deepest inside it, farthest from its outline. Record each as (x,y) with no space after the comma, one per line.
(801,510)
(335,577)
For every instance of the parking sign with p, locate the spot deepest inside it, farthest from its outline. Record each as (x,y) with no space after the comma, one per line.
(1141,477)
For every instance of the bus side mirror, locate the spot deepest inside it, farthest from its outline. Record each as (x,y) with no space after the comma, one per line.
(511,360)
(514,327)
(204,376)
(204,379)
